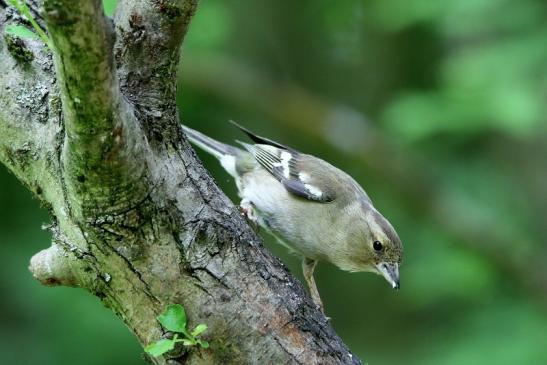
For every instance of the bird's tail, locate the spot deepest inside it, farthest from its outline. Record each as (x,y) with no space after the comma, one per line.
(214,147)
(226,154)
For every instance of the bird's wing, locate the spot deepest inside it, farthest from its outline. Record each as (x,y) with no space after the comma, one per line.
(302,175)
(295,171)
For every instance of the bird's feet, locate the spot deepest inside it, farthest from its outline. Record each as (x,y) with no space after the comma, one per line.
(319,305)
(308,266)
(247,210)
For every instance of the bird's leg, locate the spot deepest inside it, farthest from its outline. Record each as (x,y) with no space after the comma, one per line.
(308,265)
(248,211)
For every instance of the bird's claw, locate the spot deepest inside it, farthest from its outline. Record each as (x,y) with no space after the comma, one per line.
(320,307)
(247,210)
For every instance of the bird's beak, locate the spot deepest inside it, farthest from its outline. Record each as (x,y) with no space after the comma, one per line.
(390,271)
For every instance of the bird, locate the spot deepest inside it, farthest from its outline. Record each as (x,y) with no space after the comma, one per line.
(314,209)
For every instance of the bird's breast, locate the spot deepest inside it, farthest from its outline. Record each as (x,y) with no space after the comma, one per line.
(307,227)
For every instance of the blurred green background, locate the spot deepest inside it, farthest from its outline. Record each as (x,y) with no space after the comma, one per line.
(437,107)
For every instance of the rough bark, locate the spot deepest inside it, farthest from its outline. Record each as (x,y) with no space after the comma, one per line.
(93,132)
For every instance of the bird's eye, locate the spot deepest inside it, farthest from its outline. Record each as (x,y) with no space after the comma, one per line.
(377,245)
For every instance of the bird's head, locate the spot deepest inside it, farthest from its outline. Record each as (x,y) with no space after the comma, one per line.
(384,248)
(376,247)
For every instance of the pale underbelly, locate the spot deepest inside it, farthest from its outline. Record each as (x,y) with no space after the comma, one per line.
(301,225)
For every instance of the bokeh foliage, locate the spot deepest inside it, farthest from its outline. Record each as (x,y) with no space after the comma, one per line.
(437,107)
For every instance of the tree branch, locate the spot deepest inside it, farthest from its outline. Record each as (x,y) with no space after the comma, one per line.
(147,51)
(30,110)
(102,135)
(83,42)
(150,34)
(54,266)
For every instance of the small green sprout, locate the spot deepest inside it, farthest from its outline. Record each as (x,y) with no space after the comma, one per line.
(173,319)
(24,32)
(20,31)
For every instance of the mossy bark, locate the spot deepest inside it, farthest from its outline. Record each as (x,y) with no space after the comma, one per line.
(93,132)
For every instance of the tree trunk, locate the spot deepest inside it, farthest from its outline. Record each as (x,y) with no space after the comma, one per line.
(93,132)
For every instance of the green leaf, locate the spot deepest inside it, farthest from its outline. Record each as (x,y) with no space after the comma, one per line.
(20,31)
(20,5)
(160,347)
(187,342)
(109,6)
(173,318)
(203,344)
(200,328)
